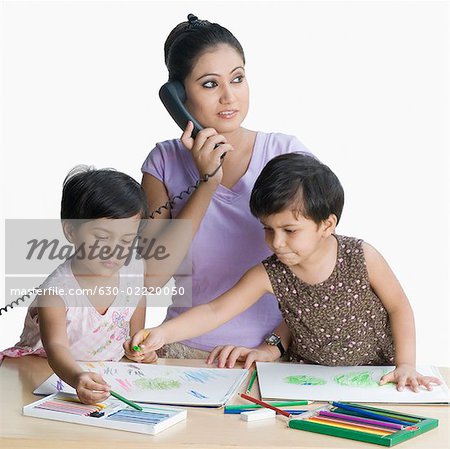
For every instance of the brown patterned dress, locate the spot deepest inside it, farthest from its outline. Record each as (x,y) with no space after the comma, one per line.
(340,321)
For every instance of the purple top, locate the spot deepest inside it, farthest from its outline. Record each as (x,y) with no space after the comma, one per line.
(229,240)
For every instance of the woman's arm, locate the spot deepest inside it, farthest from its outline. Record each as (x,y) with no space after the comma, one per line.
(91,387)
(388,289)
(206,317)
(173,236)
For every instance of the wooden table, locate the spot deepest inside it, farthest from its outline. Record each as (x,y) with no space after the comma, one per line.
(204,428)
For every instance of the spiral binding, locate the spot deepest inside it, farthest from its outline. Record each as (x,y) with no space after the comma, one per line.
(167,206)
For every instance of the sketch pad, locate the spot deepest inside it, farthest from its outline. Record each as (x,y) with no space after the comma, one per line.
(160,384)
(295,381)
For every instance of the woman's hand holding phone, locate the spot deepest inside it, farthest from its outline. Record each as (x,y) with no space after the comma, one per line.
(204,152)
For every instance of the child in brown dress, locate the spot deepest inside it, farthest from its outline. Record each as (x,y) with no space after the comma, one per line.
(340,301)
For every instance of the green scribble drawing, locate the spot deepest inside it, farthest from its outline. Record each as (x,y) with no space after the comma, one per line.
(157,383)
(362,379)
(304,380)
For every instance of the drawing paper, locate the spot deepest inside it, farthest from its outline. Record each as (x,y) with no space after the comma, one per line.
(160,384)
(296,381)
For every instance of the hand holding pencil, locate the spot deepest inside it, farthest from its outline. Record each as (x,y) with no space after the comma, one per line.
(91,387)
(144,343)
(138,354)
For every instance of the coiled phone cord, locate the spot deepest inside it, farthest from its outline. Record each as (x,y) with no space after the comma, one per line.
(14,303)
(169,205)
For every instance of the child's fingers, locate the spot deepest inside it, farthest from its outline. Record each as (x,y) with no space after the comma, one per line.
(135,357)
(389,377)
(153,341)
(92,397)
(401,382)
(414,384)
(433,380)
(96,382)
(151,357)
(137,339)
(126,345)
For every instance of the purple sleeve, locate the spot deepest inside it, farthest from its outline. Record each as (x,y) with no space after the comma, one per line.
(154,163)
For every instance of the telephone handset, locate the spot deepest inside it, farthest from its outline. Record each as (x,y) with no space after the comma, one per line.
(173,96)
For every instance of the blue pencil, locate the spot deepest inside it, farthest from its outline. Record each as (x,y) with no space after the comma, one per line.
(369,414)
(238,411)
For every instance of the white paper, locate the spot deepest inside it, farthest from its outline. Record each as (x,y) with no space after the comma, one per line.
(295,381)
(160,384)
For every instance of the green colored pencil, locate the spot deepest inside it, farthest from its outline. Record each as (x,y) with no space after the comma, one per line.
(252,381)
(275,404)
(127,401)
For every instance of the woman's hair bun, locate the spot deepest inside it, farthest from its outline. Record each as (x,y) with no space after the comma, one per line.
(192,19)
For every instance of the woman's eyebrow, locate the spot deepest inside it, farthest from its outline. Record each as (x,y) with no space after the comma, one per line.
(216,74)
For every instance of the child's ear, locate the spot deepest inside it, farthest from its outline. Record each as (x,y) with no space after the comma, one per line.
(329,225)
(68,229)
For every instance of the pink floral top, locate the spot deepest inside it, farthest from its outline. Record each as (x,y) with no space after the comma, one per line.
(92,336)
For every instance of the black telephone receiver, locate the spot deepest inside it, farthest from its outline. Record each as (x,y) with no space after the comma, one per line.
(173,96)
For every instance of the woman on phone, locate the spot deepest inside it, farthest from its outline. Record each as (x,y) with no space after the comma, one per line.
(209,62)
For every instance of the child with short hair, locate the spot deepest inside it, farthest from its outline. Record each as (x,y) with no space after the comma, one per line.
(99,208)
(340,300)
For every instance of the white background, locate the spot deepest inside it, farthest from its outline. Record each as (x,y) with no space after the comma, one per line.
(364,85)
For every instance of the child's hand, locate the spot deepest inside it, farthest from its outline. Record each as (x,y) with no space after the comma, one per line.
(139,356)
(91,388)
(229,355)
(148,340)
(404,375)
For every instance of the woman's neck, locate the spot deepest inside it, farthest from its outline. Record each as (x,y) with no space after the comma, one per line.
(241,139)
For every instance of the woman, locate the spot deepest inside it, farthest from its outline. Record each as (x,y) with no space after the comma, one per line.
(209,61)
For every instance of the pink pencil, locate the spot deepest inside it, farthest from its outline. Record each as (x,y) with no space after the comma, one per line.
(264,404)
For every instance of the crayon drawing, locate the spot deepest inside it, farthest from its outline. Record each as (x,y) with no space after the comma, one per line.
(361,379)
(161,383)
(157,383)
(296,381)
(304,380)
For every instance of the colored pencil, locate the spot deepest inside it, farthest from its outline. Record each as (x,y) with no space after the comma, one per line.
(252,381)
(369,414)
(382,412)
(275,404)
(356,424)
(239,411)
(357,419)
(127,401)
(351,427)
(264,404)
